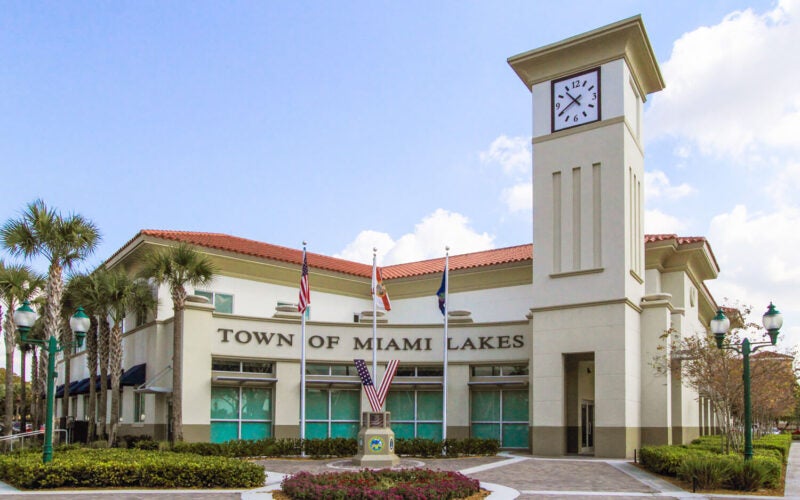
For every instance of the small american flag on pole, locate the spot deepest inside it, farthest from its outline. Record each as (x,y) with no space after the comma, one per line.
(376,397)
(305,291)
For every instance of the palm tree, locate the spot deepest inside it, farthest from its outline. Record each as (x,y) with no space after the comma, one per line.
(18,283)
(177,267)
(91,292)
(124,294)
(63,241)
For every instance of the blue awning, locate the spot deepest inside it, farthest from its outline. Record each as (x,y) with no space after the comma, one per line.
(82,387)
(72,386)
(134,376)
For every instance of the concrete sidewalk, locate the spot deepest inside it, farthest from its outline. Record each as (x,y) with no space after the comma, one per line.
(508,476)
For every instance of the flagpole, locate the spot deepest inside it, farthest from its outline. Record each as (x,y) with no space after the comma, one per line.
(303,369)
(444,342)
(374,317)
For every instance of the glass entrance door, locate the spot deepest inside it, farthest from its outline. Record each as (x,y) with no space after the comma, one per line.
(587,427)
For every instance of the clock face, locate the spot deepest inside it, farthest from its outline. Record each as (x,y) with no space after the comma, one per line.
(575,100)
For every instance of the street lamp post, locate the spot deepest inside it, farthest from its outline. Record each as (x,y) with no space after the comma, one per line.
(24,317)
(772,320)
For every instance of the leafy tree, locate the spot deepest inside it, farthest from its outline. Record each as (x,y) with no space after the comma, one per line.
(18,283)
(177,267)
(42,231)
(716,374)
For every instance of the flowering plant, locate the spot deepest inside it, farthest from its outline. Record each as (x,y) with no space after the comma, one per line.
(383,484)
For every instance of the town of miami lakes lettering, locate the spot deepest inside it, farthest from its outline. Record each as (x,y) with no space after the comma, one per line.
(383,344)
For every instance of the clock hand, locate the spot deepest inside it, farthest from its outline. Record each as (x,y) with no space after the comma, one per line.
(574,101)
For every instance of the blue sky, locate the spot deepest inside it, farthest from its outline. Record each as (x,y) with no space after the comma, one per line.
(391,124)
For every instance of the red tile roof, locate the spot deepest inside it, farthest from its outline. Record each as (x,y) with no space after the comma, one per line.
(518,253)
(682,240)
(220,241)
(254,248)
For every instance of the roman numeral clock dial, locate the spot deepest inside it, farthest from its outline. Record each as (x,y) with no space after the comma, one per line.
(575,100)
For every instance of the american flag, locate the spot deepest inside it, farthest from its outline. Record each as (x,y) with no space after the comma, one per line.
(305,291)
(376,398)
(391,368)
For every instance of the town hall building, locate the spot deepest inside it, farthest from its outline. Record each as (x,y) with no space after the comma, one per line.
(549,345)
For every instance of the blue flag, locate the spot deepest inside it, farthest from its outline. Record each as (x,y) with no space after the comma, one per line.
(440,292)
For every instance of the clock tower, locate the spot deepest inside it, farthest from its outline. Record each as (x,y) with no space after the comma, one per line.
(588,208)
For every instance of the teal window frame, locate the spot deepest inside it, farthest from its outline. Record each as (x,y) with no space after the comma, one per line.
(495,423)
(240,423)
(212,298)
(417,422)
(331,419)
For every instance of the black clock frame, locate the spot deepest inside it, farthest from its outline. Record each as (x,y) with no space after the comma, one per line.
(553,84)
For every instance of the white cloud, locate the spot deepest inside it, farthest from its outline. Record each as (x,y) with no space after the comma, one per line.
(730,87)
(360,249)
(657,222)
(511,153)
(757,255)
(429,239)
(657,185)
(519,198)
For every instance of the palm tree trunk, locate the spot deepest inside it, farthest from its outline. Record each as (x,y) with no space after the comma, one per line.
(66,337)
(102,343)
(177,366)
(41,383)
(23,391)
(8,332)
(91,360)
(36,400)
(115,367)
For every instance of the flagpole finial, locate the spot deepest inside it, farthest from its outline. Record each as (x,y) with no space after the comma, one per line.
(374,249)
(447,249)
(305,243)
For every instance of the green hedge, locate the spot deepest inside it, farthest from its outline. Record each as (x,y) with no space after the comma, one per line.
(703,462)
(335,447)
(120,468)
(666,460)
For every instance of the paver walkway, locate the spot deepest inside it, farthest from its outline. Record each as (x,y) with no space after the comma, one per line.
(523,477)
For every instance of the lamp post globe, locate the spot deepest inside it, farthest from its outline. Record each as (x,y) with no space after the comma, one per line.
(79,323)
(24,318)
(773,321)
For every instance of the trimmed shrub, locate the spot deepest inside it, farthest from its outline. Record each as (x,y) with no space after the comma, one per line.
(709,472)
(121,468)
(332,447)
(419,447)
(751,475)
(664,460)
(471,446)
(382,484)
(779,442)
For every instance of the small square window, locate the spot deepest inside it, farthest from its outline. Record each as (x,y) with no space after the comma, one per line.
(223,302)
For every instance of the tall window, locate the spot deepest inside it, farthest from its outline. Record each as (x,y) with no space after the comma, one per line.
(502,415)
(332,413)
(240,413)
(223,302)
(416,414)
(138,407)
